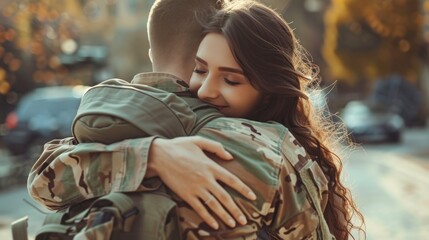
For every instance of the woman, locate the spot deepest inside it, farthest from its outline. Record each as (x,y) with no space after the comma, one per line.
(270,81)
(249,65)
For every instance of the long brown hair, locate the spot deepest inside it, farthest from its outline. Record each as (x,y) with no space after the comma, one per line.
(274,62)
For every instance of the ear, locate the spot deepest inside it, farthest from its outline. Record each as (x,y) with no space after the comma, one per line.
(150,55)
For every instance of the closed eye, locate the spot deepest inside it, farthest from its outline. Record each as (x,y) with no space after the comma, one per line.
(229,82)
(197,71)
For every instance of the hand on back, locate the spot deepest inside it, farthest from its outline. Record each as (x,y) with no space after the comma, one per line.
(181,163)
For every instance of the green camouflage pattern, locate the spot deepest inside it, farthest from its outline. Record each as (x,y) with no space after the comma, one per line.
(267,157)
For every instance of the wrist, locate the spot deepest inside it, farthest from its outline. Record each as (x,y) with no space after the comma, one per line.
(153,159)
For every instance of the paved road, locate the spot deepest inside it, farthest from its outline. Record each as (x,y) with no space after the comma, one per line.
(390,184)
(392,193)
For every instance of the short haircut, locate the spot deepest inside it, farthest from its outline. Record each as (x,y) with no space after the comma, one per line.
(174,30)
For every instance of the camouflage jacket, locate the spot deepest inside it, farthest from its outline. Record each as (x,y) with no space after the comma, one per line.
(267,157)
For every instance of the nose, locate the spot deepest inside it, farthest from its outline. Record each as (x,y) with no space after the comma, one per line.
(209,89)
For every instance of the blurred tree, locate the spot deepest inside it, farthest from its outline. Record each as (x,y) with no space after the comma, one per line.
(368,39)
(31,36)
(10,55)
(38,29)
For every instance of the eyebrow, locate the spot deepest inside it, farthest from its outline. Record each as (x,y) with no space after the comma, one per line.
(224,69)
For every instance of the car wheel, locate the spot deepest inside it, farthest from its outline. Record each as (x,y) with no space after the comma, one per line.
(395,137)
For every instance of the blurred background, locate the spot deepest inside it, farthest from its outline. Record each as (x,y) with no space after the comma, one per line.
(373,57)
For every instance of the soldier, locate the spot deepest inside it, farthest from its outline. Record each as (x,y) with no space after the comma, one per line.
(266,155)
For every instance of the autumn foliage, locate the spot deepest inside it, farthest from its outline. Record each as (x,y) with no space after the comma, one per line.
(369,39)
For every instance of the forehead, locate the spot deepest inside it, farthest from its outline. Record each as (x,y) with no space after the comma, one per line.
(214,49)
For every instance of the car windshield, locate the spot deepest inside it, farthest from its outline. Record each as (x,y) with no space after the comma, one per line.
(357,109)
(54,106)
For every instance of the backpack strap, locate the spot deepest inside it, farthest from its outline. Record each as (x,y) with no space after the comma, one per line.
(125,205)
(52,224)
(48,231)
(158,218)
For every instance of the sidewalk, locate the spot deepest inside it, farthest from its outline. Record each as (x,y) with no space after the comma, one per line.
(390,185)
(12,192)
(12,207)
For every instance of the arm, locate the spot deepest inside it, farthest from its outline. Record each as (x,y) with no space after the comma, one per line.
(67,173)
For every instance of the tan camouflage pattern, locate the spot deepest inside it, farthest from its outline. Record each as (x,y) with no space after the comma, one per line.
(100,231)
(267,157)
(66,173)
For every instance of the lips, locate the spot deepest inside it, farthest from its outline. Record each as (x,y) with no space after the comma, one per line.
(218,107)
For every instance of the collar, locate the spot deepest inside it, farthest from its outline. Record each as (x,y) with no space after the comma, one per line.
(164,81)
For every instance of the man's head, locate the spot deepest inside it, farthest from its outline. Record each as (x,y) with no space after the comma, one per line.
(175,33)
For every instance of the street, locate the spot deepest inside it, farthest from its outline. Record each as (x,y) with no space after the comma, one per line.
(390,183)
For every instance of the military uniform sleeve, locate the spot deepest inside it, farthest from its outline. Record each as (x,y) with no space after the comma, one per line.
(67,173)
(294,214)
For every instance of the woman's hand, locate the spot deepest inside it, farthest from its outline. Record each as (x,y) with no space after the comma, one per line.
(181,162)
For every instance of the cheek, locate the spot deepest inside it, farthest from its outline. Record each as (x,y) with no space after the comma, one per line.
(194,84)
(245,101)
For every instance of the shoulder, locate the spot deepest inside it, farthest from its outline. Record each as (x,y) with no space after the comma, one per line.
(257,140)
(294,152)
(274,134)
(271,133)
(247,127)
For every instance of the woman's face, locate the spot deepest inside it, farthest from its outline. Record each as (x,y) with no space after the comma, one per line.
(219,80)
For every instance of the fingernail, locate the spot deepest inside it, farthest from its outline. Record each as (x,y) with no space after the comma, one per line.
(242,220)
(251,195)
(231,223)
(215,225)
(229,155)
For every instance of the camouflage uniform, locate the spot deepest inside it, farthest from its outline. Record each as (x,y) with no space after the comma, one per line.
(267,157)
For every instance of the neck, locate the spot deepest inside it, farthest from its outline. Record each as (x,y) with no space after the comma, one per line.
(179,70)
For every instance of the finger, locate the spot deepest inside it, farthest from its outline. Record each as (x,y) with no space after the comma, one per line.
(234,182)
(213,147)
(225,198)
(201,210)
(219,210)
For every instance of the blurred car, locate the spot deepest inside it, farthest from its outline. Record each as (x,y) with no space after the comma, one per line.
(370,124)
(399,95)
(42,115)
